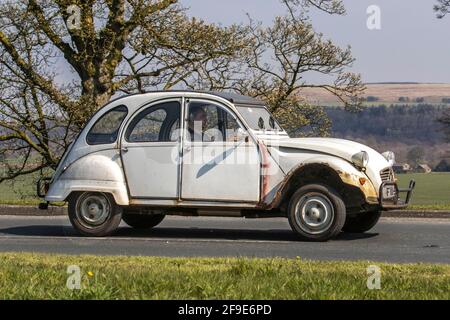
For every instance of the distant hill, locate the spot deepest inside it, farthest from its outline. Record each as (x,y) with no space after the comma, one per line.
(397,128)
(389,93)
(404,123)
(399,116)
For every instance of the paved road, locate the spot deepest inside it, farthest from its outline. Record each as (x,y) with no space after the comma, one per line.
(393,240)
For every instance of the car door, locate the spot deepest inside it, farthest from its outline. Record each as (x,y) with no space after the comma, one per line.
(150,149)
(220,161)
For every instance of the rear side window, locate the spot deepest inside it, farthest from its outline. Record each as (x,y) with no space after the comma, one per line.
(106,129)
(149,127)
(157,123)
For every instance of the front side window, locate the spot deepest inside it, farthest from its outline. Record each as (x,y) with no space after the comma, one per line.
(232,128)
(158,123)
(106,129)
(209,122)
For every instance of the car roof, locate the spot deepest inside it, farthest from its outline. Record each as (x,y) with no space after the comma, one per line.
(234,98)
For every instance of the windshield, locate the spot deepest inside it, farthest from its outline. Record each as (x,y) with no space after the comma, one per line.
(259,118)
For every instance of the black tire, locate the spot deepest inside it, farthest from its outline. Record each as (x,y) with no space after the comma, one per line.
(362,222)
(142,221)
(94,226)
(316,212)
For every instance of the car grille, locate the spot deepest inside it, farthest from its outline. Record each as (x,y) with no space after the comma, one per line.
(387,175)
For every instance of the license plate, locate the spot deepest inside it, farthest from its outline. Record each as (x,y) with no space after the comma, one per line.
(389,192)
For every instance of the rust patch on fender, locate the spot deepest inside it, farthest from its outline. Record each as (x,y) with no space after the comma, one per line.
(367,188)
(265,165)
(279,194)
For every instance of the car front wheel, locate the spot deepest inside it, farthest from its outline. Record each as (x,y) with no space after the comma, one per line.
(362,222)
(94,214)
(316,212)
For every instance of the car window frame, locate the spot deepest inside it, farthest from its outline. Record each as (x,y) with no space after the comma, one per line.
(126,133)
(117,131)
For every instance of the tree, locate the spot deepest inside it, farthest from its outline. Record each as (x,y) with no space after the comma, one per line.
(415,155)
(281,57)
(442,8)
(442,166)
(445,121)
(109,46)
(112,47)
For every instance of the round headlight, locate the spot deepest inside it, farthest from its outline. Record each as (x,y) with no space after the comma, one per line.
(389,156)
(361,159)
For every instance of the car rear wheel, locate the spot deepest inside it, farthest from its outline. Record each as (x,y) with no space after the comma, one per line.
(142,221)
(316,212)
(94,214)
(362,222)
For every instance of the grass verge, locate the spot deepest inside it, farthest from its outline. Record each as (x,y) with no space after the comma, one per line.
(41,276)
(20,202)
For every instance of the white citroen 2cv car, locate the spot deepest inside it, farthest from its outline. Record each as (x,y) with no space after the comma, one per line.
(145,156)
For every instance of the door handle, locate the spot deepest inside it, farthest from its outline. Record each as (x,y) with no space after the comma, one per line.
(124,149)
(187,149)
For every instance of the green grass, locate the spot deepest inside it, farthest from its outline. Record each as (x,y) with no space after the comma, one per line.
(21,191)
(432,190)
(38,276)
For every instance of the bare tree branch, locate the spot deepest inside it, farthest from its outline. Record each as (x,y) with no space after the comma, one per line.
(442,8)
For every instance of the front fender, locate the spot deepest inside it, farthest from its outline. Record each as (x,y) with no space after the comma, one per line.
(97,172)
(292,160)
(351,176)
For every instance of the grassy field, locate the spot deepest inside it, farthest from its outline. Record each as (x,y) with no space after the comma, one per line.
(432,191)
(37,276)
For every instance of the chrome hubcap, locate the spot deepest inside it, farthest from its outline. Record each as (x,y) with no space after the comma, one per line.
(314,213)
(93,210)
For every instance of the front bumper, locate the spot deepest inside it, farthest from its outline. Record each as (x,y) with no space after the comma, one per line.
(390,195)
(42,187)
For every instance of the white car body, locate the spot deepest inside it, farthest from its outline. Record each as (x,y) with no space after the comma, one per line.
(156,175)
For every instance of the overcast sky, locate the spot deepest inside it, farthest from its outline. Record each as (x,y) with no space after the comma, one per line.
(412,45)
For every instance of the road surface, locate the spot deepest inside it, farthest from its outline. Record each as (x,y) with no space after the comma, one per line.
(392,240)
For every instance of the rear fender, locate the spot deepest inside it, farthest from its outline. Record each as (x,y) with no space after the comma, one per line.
(97,172)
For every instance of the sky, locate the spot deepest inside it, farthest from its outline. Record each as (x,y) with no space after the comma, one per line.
(411,46)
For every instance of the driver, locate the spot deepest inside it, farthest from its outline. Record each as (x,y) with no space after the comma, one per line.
(197,123)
